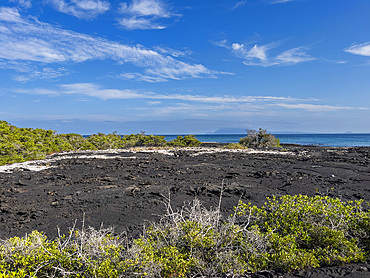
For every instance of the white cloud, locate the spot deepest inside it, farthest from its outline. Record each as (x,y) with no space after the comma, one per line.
(9,14)
(153,105)
(23,3)
(319,108)
(239,4)
(359,49)
(33,41)
(15,65)
(143,14)
(45,73)
(156,102)
(178,70)
(258,52)
(172,52)
(294,56)
(141,77)
(258,55)
(146,8)
(81,8)
(94,90)
(281,1)
(133,23)
(222,43)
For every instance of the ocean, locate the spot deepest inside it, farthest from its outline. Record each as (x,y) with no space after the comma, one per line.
(332,140)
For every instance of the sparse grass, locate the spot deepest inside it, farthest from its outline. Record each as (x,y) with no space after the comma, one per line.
(235,146)
(285,234)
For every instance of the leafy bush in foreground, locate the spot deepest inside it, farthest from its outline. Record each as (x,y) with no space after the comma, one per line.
(285,234)
(83,253)
(259,139)
(307,231)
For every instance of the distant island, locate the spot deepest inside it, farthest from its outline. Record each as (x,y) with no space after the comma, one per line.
(229,130)
(238,130)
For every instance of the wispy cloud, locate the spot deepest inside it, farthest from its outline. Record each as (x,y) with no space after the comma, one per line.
(140,77)
(173,52)
(152,106)
(9,15)
(45,73)
(144,14)
(318,108)
(133,23)
(84,9)
(29,40)
(359,49)
(294,56)
(239,4)
(96,91)
(259,55)
(23,3)
(281,1)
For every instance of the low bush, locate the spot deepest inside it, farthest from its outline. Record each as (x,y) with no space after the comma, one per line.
(102,141)
(22,144)
(285,234)
(307,231)
(141,139)
(186,141)
(235,146)
(259,139)
(90,253)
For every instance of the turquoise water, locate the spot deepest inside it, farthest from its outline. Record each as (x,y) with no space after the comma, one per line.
(332,140)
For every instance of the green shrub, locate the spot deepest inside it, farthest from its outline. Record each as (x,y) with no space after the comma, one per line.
(235,146)
(102,141)
(285,234)
(76,141)
(309,231)
(22,144)
(88,253)
(186,141)
(141,139)
(259,139)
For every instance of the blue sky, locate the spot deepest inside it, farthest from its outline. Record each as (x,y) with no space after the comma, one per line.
(168,67)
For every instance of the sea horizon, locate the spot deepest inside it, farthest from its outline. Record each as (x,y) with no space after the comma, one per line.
(314,139)
(308,139)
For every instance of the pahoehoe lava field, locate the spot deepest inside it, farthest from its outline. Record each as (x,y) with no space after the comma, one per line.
(129,189)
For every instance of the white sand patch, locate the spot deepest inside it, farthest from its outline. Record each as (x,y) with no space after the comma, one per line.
(249,151)
(43,164)
(28,165)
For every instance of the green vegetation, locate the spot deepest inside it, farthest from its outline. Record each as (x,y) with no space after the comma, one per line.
(259,139)
(285,234)
(23,144)
(233,146)
(186,141)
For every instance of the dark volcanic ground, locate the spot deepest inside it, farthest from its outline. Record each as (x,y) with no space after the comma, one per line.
(130,188)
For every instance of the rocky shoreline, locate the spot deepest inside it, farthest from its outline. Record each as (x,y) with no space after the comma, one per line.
(126,188)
